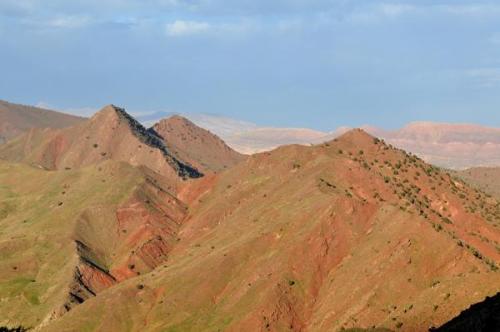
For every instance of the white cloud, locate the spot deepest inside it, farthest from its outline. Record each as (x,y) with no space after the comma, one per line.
(485,77)
(393,10)
(69,22)
(471,10)
(183,28)
(379,11)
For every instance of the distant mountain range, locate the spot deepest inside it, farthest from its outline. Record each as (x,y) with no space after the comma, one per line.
(455,146)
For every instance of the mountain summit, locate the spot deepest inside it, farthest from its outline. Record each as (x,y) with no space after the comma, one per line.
(196,145)
(110,134)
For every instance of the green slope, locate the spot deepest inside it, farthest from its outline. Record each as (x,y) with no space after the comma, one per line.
(39,212)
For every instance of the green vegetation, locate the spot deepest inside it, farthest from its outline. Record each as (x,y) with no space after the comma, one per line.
(37,237)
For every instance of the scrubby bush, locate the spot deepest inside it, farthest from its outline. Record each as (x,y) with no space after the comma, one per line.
(13,329)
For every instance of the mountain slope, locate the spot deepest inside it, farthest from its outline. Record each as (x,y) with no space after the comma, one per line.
(109,134)
(351,233)
(198,146)
(67,236)
(17,119)
(480,317)
(101,207)
(484,178)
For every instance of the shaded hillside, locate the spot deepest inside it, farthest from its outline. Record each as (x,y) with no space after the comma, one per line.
(196,145)
(109,134)
(17,119)
(348,234)
(480,317)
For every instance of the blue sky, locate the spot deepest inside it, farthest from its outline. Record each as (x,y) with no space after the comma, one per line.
(302,63)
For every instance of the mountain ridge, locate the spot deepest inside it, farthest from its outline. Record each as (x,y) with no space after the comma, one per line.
(110,133)
(16,119)
(197,145)
(300,233)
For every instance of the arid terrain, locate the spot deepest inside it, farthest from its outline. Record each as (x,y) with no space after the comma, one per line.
(484,178)
(453,146)
(17,119)
(250,166)
(456,146)
(109,226)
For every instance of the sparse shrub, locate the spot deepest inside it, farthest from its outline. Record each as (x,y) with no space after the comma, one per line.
(447,220)
(13,329)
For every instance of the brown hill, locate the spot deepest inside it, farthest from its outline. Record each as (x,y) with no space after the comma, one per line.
(198,146)
(484,178)
(17,119)
(109,134)
(352,233)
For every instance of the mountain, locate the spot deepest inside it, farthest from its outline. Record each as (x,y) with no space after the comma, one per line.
(100,207)
(448,145)
(202,149)
(485,178)
(456,146)
(66,236)
(266,139)
(248,138)
(348,234)
(109,134)
(17,119)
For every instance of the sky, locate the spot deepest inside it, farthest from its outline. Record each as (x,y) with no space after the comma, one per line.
(297,63)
